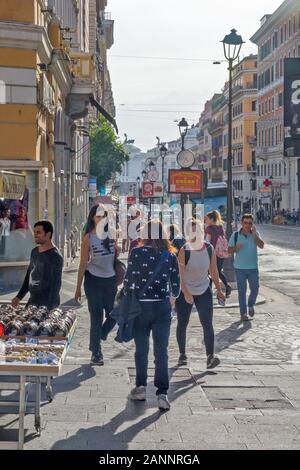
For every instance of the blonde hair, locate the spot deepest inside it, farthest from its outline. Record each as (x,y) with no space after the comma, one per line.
(215,216)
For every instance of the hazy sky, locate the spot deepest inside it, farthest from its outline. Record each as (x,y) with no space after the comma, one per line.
(171,89)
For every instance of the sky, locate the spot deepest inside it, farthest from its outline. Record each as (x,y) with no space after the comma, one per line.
(150,93)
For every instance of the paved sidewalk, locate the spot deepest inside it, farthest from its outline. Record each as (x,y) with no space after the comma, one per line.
(251,401)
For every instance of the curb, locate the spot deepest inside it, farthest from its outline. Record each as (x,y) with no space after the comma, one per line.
(260,301)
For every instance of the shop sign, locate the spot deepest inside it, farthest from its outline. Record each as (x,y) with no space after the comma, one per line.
(265,190)
(185,181)
(131,200)
(93,192)
(12,185)
(152,189)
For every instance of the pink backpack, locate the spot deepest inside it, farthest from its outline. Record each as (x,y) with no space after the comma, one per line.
(222,247)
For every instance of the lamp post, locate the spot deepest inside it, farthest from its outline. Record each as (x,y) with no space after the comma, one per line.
(183,128)
(232,44)
(163,153)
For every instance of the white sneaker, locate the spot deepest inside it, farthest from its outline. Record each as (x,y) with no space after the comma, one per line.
(163,403)
(138,393)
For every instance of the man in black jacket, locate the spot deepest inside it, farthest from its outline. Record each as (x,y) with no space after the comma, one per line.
(43,277)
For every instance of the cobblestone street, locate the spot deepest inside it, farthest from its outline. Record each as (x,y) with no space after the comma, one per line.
(252,401)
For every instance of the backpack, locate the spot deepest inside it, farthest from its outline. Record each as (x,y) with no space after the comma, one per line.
(236,236)
(187,253)
(222,247)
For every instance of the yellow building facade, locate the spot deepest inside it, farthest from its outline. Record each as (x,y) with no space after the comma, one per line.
(47,81)
(244,133)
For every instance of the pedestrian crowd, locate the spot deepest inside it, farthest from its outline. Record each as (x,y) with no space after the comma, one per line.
(166,271)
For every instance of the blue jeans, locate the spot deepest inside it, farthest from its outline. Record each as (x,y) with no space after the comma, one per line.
(242,276)
(155,317)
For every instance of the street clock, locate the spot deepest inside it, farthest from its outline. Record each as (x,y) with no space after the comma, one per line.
(186,159)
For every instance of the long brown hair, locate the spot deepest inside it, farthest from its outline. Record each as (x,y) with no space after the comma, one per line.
(215,216)
(154,235)
(90,225)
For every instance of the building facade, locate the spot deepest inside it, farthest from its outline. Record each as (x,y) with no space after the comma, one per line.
(244,131)
(50,75)
(277,38)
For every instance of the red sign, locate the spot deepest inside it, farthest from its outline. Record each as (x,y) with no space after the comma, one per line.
(152,189)
(185,181)
(131,200)
(147,189)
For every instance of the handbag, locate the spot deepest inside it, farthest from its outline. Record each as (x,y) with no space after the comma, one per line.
(128,306)
(120,269)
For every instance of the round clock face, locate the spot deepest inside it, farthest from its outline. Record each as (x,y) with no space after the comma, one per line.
(185,159)
(153,175)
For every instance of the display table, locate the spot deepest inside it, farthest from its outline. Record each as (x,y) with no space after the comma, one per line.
(18,376)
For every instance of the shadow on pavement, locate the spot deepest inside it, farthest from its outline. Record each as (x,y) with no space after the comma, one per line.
(107,437)
(72,380)
(225,338)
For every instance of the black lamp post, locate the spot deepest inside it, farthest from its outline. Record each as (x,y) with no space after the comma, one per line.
(163,153)
(232,44)
(183,128)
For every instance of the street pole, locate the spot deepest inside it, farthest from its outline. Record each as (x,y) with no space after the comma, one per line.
(162,176)
(229,158)
(228,264)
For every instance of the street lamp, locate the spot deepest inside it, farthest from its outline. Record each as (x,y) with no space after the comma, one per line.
(232,44)
(163,153)
(183,128)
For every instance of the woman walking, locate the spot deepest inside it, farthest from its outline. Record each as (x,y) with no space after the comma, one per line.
(196,260)
(155,257)
(98,253)
(214,230)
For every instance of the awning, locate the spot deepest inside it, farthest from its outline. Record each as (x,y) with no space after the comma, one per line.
(104,112)
(12,185)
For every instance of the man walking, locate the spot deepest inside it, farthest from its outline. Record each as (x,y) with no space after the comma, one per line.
(43,277)
(244,245)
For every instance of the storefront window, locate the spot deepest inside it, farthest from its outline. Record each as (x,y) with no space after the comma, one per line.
(18,209)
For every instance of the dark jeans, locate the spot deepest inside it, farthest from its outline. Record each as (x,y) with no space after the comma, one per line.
(204,306)
(155,317)
(100,293)
(220,262)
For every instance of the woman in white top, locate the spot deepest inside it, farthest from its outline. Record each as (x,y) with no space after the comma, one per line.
(97,267)
(196,260)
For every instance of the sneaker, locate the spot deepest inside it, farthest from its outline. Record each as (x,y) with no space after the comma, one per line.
(245,317)
(97,360)
(251,312)
(182,361)
(163,403)
(212,362)
(228,291)
(138,393)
